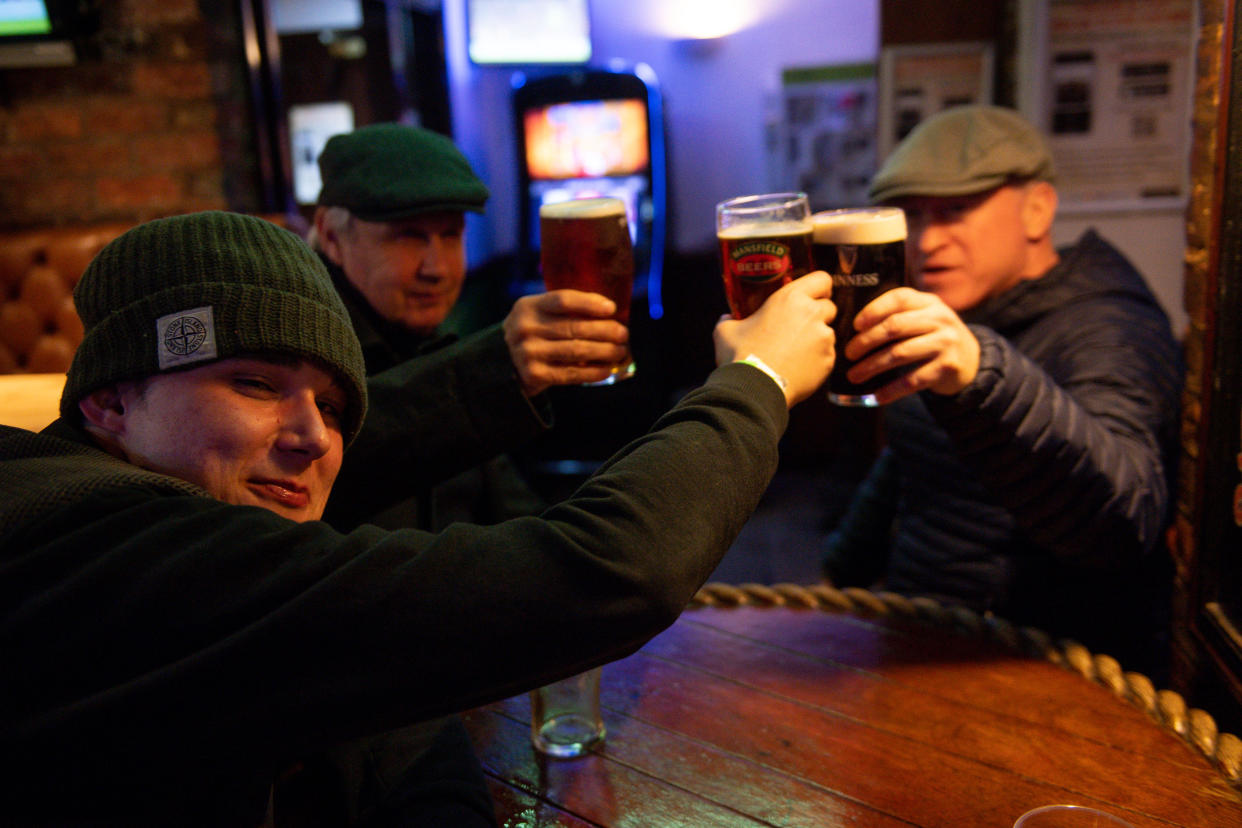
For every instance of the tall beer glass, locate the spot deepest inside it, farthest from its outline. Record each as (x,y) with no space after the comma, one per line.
(864,250)
(765,242)
(585,244)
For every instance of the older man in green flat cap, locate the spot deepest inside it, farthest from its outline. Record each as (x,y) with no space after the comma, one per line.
(391,220)
(1030,446)
(390,227)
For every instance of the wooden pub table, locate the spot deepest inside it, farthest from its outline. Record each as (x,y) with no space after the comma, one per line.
(809,706)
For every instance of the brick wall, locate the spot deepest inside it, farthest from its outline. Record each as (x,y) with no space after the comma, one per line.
(129,133)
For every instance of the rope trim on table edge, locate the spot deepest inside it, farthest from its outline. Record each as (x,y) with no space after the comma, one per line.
(1165,707)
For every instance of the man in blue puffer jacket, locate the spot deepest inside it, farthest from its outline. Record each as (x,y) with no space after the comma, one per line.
(1030,449)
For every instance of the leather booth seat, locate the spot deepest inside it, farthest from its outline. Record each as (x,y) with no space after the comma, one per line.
(39,329)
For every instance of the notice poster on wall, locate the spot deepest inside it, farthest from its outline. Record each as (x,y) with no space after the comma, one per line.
(1119,75)
(918,81)
(310,127)
(823,142)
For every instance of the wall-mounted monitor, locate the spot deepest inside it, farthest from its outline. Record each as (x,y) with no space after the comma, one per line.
(314,16)
(24,18)
(528,32)
(41,32)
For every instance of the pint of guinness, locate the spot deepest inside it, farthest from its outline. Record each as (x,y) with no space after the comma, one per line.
(765,242)
(585,244)
(864,250)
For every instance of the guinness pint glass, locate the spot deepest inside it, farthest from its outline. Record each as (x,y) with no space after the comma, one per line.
(584,244)
(765,242)
(864,250)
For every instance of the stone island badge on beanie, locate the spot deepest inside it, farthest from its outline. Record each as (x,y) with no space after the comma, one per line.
(179,292)
(963,151)
(387,172)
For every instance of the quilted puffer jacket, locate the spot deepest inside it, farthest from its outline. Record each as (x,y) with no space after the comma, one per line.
(1041,492)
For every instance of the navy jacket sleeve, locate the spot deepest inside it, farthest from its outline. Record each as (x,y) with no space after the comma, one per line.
(1077,461)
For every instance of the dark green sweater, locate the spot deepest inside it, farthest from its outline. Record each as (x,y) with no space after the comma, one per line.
(474,377)
(167,652)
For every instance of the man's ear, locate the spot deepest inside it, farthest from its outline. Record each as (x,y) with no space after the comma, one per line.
(1039,208)
(329,239)
(104,409)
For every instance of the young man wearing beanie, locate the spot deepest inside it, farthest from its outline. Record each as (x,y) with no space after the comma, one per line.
(1030,447)
(178,628)
(390,229)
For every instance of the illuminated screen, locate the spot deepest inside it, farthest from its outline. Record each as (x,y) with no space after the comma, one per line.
(24,17)
(586,149)
(528,31)
(586,139)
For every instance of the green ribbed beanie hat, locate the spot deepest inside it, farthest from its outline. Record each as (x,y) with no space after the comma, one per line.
(179,292)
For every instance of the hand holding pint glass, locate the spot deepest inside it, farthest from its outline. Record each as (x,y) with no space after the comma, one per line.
(765,242)
(584,244)
(864,251)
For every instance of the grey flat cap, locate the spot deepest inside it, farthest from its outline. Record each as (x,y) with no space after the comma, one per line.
(963,151)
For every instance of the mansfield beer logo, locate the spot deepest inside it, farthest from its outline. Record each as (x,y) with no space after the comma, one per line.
(759,261)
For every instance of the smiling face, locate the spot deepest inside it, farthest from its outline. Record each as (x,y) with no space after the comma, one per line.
(252,431)
(966,249)
(410,271)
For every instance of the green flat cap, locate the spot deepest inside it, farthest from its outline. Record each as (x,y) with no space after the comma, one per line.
(387,172)
(963,151)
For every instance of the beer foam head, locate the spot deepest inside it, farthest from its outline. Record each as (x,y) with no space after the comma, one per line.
(762,229)
(860,225)
(583,208)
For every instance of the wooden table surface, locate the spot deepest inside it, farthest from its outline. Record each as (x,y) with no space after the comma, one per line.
(872,713)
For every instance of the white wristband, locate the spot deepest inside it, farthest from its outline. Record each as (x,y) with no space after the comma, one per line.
(751,359)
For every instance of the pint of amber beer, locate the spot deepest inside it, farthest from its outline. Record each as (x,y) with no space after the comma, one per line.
(584,244)
(864,250)
(765,242)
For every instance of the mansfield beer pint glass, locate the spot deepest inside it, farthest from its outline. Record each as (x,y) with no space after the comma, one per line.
(585,244)
(864,250)
(765,242)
